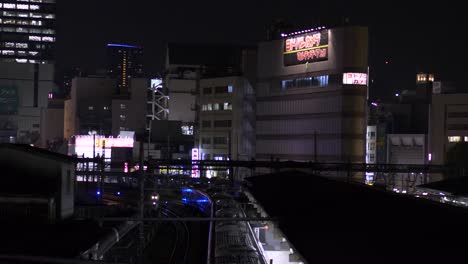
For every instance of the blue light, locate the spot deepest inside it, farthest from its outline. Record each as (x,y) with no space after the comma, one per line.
(187,190)
(118,193)
(121,45)
(98,193)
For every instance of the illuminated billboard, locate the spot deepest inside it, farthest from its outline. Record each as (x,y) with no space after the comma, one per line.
(355,78)
(308,47)
(89,146)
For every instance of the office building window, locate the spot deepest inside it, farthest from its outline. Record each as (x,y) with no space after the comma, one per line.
(90,108)
(227,106)
(220,140)
(187,130)
(123,117)
(207,90)
(454,139)
(221,89)
(206,140)
(230,88)
(216,107)
(106,108)
(206,123)
(123,106)
(222,123)
(312,82)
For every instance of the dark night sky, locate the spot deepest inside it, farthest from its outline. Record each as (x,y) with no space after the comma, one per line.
(416,38)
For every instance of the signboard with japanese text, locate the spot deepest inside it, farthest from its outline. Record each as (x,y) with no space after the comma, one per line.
(355,78)
(306,48)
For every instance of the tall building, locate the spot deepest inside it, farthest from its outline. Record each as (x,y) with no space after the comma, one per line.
(123,63)
(27,31)
(311,96)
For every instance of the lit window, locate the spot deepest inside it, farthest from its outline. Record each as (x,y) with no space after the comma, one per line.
(466,139)
(123,117)
(48,39)
(9,6)
(35,38)
(187,130)
(90,108)
(230,88)
(227,106)
(34,7)
(106,108)
(210,107)
(123,106)
(22,6)
(216,107)
(454,139)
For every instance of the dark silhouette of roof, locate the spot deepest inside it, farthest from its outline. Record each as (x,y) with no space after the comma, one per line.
(38,151)
(337,222)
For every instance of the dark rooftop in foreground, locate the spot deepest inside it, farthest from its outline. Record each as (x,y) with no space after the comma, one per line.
(61,240)
(337,222)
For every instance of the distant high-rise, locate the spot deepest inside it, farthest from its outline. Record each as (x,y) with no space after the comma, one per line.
(27,31)
(124,62)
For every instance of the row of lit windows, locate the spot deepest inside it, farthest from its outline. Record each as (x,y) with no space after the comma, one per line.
(36,46)
(39,38)
(27,14)
(19,60)
(20,6)
(19,53)
(316,81)
(18,45)
(454,139)
(12,21)
(38,1)
(217,106)
(31,30)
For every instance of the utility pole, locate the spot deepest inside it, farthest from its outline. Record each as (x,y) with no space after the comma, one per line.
(141,233)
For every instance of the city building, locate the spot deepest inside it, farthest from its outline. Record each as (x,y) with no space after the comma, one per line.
(93,108)
(24,94)
(27,31)
(448,124)
(311,95)
(211,90)
(123,63)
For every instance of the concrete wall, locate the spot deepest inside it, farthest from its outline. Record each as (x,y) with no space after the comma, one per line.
(52,124)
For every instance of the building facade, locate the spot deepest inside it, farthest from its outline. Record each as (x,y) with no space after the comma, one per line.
(311,96)
(448,124)
(93,108)
(27,31)
(24,91)
(123,63)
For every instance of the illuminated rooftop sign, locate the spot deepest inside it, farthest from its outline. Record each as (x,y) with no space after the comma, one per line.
(100,142)
(304,48)
(355,78)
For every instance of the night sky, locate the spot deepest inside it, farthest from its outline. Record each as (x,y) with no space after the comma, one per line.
(413,38)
